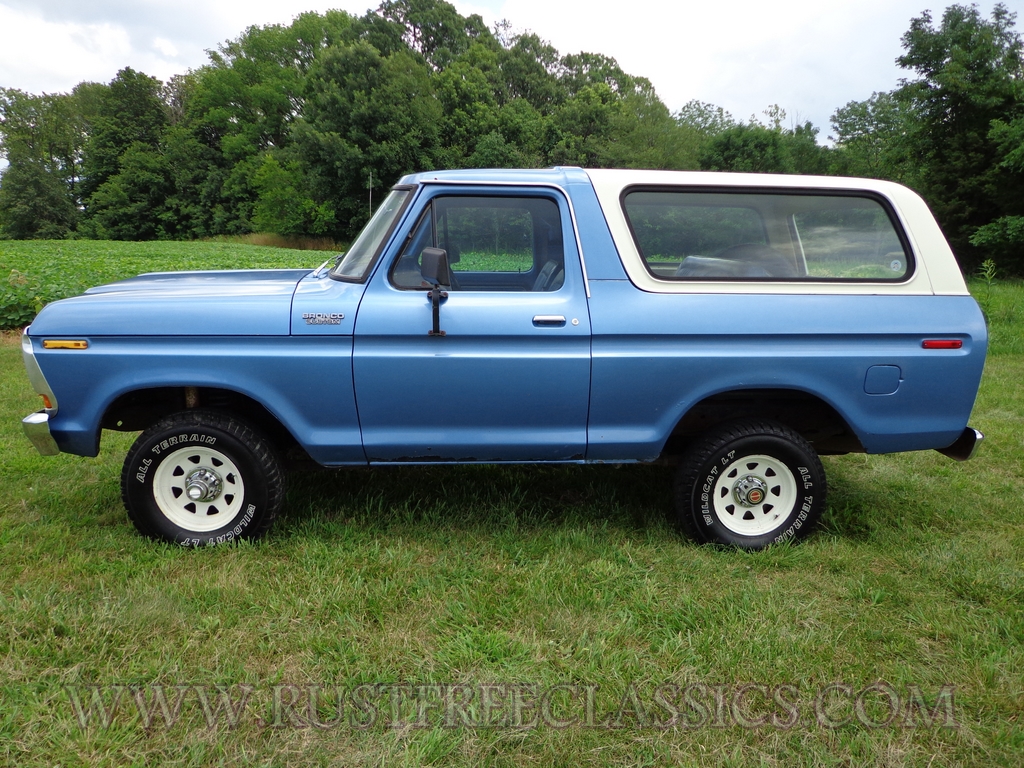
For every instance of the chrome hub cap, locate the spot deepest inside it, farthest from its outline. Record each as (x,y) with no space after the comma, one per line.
(203,485)
(755,495)
(750,491)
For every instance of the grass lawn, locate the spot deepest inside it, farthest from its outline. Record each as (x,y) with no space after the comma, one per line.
(521,616)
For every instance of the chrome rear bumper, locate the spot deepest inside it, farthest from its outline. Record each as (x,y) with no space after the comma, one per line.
(965,446)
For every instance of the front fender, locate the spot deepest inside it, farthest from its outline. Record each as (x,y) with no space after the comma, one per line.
(306,383)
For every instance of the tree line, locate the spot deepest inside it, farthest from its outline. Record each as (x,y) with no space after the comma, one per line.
(294,129)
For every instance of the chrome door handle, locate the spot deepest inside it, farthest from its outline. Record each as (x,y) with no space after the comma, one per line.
(549,321)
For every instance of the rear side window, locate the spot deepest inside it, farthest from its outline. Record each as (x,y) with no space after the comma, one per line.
(755,235)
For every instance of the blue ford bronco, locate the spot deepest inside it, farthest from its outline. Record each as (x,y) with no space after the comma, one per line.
(735,325)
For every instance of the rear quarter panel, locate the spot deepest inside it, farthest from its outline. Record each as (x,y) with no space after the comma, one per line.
(657,355)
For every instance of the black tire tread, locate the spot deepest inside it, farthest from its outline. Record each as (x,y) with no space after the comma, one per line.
(263,453)
(712,443)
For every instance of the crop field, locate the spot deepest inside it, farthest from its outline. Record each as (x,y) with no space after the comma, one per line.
(35,272)
(510,616)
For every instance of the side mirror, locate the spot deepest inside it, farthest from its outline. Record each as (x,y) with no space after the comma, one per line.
(434,266)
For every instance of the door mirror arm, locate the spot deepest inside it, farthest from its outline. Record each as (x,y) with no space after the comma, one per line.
(434,271)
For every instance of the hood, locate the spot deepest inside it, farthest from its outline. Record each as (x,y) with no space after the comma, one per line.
(255,302)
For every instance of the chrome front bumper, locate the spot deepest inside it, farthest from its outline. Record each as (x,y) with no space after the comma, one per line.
(37,429)
(37,425)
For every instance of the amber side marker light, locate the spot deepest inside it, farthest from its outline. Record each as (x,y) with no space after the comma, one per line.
(46,402)
(942,344)
(65,344)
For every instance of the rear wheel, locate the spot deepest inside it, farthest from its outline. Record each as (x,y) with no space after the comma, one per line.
(750,484)
(201,477)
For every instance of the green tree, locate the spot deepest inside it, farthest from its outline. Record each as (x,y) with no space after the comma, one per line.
(524,127)
(646,135)
(581,127)
(493,151)
(871,139)
(287,125)
(1003,238)
(528,68)
(228,115)
(703,118)
(42,138)
(284,205)
(365,113)
(34,204)
(252,92)
(468,106)
(756,148)
(130,111)
(434,29)
(969,77)
(809,157)
(747,148)
(577,71)
(130,205)
(386,35)
(194,175)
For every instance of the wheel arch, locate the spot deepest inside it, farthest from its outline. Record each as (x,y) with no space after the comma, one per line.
(138,409)
(812,417)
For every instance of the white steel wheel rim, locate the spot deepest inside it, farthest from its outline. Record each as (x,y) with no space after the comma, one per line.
(171,489)
(736,504)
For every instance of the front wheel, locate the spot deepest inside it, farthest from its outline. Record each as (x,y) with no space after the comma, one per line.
(201,477)
(750,484)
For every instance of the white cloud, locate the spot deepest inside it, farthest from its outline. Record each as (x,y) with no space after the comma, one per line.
(52,45)
(166,47)
(47,56)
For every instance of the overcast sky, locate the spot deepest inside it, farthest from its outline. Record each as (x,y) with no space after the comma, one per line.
(808,56)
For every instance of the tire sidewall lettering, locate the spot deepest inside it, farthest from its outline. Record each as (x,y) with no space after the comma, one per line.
(706,492)
(182,441)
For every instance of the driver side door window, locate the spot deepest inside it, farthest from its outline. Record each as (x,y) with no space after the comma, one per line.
(493,244)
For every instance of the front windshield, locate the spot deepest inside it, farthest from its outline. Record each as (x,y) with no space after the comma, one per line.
(362,253)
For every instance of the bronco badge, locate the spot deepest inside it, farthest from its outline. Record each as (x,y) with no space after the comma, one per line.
(322,318)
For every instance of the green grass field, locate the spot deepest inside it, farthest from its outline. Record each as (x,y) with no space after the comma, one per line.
(520,616)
